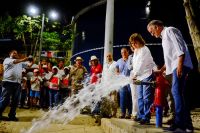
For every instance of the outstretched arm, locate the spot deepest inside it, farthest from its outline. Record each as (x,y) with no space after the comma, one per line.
(20,60)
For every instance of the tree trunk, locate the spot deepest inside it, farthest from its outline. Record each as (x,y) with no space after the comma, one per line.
(35,46)
(193,28)
(25,45)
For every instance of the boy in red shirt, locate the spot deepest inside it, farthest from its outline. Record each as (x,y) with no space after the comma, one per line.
(54,83)
(161,85)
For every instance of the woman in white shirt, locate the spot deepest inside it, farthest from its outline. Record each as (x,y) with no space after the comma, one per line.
(143,65)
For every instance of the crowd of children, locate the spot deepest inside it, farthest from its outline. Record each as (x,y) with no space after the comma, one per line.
(44,85)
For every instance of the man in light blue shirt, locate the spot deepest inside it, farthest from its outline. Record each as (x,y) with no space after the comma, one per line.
(178,63)
(125,98)
(11,84)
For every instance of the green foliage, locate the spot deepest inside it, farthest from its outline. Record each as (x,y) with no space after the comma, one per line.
(68,35)
(23,25)
(6,24)
(27,30)
(51,40)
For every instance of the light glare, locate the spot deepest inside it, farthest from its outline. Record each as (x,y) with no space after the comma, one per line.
(53,15)
(33,10)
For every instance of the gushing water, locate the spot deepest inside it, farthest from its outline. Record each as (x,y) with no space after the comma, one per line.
(90,95)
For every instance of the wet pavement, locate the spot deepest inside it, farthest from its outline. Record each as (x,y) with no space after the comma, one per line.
(87,124)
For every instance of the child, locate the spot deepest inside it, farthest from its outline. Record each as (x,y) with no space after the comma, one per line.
(24,89)
(64,90)
(44,93)
(161,85)
(35,88)
(54,83)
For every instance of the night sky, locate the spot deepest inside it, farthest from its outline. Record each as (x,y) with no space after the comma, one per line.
(130,17)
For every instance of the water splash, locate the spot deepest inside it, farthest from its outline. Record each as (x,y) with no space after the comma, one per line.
(90,95)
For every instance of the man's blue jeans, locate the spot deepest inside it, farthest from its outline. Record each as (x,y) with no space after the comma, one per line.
(182,112)
(10,89)
(145,99)
(125,99)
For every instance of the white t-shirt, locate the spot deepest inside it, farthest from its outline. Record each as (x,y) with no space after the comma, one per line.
(61,72)
(109,69)
(24,79)
(30,74)
(12,72)
(35,86)
(47,76)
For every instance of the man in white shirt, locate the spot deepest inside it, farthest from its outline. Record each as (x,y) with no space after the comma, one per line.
(11,85)
(178,63)
(109,70)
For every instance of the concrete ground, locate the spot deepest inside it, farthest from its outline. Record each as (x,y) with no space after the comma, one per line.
(81,124)
(86,124)
(115,125)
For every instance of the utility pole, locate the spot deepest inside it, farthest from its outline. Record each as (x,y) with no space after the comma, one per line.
(41,37)
(109,24)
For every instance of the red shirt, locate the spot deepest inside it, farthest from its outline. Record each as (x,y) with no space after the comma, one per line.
(54,82)
(95,70)
(161,85)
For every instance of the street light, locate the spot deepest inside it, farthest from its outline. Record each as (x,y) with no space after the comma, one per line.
(33,10)
(147,8)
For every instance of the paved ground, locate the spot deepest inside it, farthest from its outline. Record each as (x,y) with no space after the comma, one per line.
(81,124)
(196,119)
(114,125)
(84,124)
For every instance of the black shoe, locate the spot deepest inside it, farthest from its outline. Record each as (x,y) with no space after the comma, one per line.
(13,119)
(136,119)
(122,116)
(128,117)
(170,121)
(175,128)
(144,122)
(165,114)
(3,118)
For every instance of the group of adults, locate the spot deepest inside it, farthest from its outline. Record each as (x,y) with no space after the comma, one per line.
(134,99)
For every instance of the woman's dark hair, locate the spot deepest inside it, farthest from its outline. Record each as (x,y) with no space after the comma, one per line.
(137,37)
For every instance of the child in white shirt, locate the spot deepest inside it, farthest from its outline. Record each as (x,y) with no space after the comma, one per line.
(35,88)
